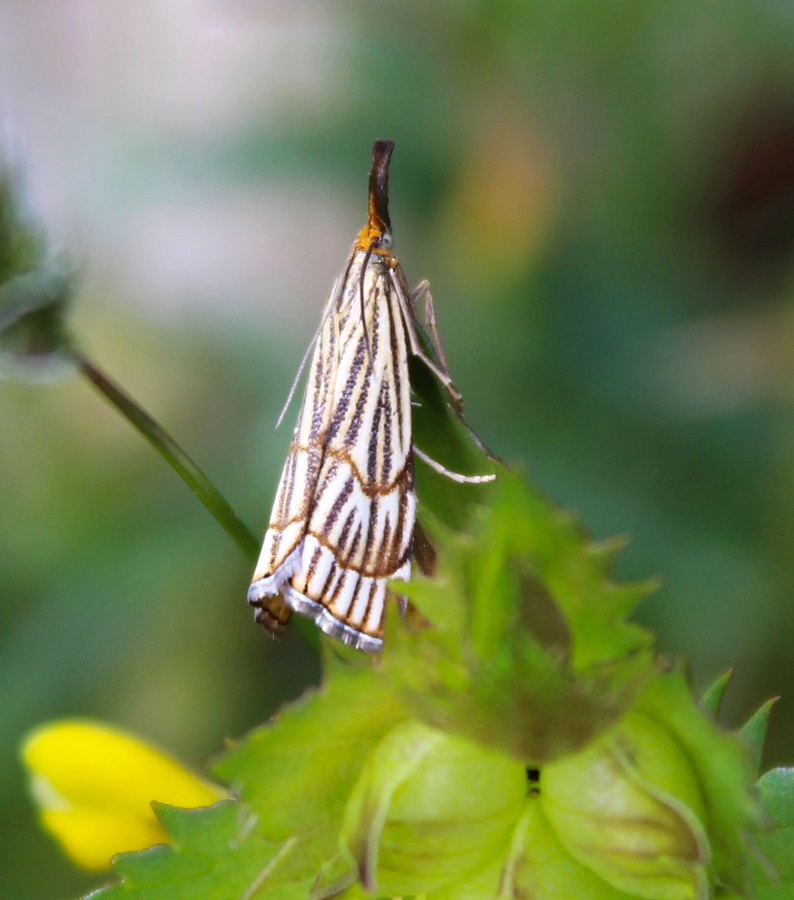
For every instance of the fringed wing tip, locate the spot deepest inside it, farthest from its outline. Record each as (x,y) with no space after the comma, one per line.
(325,620)
(274,611)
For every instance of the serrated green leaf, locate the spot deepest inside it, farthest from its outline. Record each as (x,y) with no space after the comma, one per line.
(754,730)
(527,647)
(711,698)
(295,776)
(297,773)
(217,854)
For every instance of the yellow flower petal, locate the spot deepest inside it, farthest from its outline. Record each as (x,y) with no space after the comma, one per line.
(91,838)
(94,786)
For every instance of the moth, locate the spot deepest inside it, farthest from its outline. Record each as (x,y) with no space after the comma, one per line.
(342,523)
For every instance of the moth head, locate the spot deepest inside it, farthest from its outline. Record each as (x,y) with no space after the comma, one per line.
(375,237)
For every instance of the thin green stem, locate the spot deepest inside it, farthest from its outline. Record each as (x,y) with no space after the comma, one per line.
(174,455)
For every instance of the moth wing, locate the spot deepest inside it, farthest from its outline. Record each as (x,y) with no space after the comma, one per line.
(361,523)
(289,517)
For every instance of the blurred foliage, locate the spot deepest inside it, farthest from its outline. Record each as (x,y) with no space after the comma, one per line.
(603,199)
(34,289)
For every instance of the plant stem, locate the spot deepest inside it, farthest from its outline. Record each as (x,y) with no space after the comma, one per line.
(174,455)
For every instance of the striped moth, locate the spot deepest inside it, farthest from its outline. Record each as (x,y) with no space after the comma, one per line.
(342,524)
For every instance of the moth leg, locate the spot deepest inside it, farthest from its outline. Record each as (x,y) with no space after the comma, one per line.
(423,290)
(409,316)
(454,476)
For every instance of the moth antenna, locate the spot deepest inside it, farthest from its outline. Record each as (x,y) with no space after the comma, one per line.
(297,378)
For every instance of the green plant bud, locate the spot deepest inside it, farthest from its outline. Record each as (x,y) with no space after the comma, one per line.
(539,866)
(429,810)
(33,339)
(630,808)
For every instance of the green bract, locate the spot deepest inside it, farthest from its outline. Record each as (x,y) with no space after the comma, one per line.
(630,809)
(527,647)
(517,738)
(430,809)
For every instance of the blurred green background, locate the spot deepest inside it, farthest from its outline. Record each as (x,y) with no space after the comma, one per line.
(603,198)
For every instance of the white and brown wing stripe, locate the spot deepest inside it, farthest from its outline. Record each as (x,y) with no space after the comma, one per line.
(343,520)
